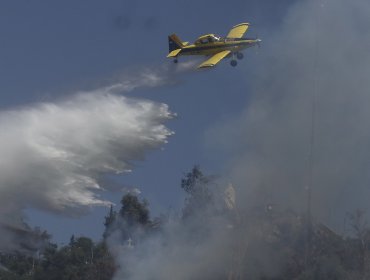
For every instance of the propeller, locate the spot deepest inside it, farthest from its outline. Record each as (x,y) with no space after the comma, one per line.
(258,41)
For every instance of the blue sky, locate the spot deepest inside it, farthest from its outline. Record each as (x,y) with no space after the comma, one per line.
(50,49)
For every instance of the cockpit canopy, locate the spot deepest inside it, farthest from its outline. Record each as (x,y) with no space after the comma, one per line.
(205,39)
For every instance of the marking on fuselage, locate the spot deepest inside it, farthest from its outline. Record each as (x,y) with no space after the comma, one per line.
(227,46)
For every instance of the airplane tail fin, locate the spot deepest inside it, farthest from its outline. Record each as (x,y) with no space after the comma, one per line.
(174,43)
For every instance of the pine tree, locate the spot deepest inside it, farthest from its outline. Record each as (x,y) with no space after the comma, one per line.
(109,222)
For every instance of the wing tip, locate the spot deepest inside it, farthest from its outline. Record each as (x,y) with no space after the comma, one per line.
(206,66)
(241,24)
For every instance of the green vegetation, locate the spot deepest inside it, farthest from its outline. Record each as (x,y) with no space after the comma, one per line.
(267,243)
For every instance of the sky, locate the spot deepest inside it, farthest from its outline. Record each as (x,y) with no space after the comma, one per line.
(52,50)
(91,107)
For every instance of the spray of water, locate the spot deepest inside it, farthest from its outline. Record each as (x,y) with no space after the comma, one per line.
(53,154)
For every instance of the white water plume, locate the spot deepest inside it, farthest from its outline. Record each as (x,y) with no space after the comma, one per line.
(52,154)
(151,76)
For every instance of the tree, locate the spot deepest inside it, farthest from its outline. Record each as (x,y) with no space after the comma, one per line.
(199,198)
(103,262)
(361,230)
(131,222)
(134,212)
(81,259)
(109,222)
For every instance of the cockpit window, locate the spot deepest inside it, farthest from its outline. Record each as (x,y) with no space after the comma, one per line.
(208,39)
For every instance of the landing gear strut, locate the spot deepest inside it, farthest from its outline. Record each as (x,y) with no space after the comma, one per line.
(175,60)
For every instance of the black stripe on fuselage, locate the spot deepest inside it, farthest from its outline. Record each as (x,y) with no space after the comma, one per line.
(220,46)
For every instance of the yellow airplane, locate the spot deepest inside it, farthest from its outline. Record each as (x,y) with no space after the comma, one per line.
(212,45)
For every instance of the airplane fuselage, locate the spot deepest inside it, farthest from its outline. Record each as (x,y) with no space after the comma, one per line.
(233,45)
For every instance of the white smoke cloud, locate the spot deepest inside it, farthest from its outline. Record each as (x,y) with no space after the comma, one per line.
(269,145)
(175,250)
(2,267)
(321,50)
(53,154)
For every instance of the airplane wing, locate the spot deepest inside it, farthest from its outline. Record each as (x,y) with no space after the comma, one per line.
(238,30)
(214,59)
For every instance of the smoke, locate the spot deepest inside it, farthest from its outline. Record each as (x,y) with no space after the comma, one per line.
(188,250)
(3,268)
(53,154)
(188,247)
(320,53)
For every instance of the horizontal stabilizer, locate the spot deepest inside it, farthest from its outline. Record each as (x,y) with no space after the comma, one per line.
(174,53)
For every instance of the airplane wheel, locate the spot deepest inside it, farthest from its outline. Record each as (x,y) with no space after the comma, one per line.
(175,61)
(233,63)
(240,56)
